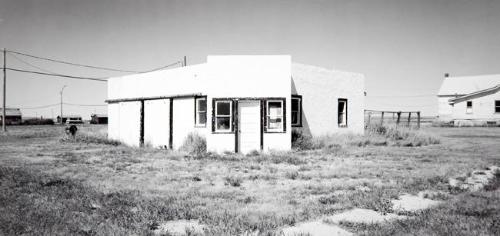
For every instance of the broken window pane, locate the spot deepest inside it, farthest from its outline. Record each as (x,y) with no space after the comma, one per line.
(295,117)
(274,108)
(223,123)
(275,123)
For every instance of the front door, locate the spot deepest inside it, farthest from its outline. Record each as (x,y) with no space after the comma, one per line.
(248,126)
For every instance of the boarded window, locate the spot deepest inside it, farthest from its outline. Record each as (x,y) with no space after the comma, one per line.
(342,112)
(468,109)
(296,111)
(497,106)
(274,116)
(201,111)
(223,116)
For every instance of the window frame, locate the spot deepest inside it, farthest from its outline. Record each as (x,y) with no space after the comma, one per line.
(196,111)
(283,115)
(345,101)
(299,112)
(497,106)
(215,116)
(469,109)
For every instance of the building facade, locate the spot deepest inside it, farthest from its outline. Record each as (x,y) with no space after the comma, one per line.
(470,100)
(238,103)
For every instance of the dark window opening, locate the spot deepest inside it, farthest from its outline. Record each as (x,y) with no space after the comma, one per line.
(275,116)
(342,112)
(296,111)
(468,109)
(497,106)
(223,116)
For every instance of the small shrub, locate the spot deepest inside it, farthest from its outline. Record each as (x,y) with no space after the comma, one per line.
(89,138)
(328,200)
(195,145)
(301,141)
(233,181)
(292,175)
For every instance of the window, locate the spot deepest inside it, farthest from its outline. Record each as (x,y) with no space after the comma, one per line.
(296,110)
(497,106)
(275,116)
(223,116)
(200,111)
(468,109)
(342,112)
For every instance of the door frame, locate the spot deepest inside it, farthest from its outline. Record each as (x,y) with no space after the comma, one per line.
(237,128)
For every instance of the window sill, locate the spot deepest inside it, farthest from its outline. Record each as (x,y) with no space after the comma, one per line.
(223,132)
(343,126)
(200,126)
(274,132)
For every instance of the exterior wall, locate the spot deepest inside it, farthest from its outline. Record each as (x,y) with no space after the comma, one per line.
(248,77)
(445,110)
(320,90)
(483,108)
(156,123)
(124,122)
(235,78)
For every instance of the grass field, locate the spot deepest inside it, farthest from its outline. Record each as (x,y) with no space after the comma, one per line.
(52,185)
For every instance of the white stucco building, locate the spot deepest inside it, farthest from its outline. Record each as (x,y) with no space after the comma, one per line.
(238,103)
(470,100)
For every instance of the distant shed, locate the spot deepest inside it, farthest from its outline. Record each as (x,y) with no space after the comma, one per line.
(13,116)
(98,119)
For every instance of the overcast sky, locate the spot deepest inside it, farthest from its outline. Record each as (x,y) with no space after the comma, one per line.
(403,47)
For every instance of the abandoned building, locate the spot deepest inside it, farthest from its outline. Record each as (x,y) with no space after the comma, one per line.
(470,100)
(98,119)
(13,116)
(238,103)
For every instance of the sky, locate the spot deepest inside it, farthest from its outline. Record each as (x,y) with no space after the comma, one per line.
(403,47)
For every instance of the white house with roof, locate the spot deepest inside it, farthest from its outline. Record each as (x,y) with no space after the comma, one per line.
(238,103)
(470,100)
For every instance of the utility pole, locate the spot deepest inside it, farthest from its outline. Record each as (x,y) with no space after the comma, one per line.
(185,62)
(62,103)
(4,129)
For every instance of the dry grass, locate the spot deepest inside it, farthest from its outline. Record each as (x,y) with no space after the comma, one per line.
(231,194)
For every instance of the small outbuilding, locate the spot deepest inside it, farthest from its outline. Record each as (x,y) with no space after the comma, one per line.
(470,100)
(98,119)
(237,103)
(13,116)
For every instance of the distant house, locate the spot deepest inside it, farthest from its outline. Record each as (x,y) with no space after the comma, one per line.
(72,119)
(98,119)
(470,100)
(238,103)
(13,116)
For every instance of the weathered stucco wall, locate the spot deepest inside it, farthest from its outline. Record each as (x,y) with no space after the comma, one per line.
(320,89)
(249,77)
(232,77)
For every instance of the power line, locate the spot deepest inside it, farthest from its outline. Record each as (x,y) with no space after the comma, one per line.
(40,107)
(90,66)
(86,105)
(58,75)
(73,64)
(31,65)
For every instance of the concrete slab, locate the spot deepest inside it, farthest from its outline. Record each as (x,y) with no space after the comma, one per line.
(359,215)
(315,228)
(411,203)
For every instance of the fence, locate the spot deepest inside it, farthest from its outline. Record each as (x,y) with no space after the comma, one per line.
(399,118)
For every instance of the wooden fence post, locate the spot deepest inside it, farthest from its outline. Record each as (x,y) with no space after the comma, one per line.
(409,119)
(418,119)
(382,119)
(399,118)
